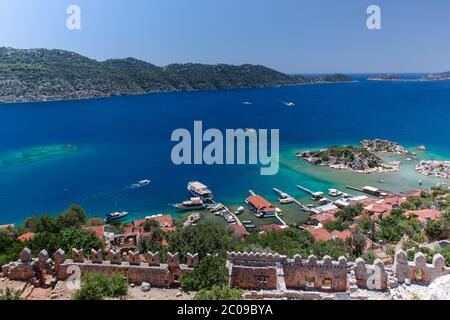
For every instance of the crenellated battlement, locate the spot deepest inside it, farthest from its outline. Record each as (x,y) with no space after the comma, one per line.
(247,270)
(419,271)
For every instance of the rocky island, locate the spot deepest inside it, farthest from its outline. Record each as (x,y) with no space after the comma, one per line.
(43,75)
(386,77)
(434,168)
(383,146)
(357,159)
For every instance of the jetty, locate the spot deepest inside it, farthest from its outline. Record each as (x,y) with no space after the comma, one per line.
(301,205)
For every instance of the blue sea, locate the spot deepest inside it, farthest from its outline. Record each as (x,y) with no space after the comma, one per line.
(125,139)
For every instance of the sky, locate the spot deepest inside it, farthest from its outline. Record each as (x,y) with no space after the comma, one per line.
(292,36)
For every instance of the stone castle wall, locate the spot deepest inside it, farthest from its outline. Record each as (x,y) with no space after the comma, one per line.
(250,271)
(151,271)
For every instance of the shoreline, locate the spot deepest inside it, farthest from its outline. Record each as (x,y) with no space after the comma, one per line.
(168,92)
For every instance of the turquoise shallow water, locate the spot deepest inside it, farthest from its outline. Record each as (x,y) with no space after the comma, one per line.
(125,139)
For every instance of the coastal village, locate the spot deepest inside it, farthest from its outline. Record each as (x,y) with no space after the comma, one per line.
(396,243)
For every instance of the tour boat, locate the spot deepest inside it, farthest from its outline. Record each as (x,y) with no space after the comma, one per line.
(114,216)
(193,204)
(198,189)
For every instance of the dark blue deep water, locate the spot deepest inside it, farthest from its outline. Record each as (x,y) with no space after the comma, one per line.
(124,139)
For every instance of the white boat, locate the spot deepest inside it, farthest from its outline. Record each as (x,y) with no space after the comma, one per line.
(239,210)
(216,208)
(247,103)
(286,200)
(422,148)
(198,189)
(141,184)
(290,104)
(334,193)
(114,216)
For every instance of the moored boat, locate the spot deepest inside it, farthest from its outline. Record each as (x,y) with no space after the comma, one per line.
(193,204)
(115,216)
(200,190)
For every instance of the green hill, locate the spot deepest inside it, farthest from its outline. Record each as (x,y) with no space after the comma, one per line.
(42,74)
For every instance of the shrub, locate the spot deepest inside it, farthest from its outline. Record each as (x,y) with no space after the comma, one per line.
(211,271)
(369,256)
(9,294)
(219,293)
(98,285)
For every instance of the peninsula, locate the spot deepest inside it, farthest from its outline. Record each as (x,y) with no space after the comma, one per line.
(43,75)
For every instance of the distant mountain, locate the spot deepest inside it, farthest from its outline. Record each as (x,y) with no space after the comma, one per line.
(42,74)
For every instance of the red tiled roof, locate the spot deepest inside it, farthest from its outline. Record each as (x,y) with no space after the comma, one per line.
(238,230)
(323,218)
(378,208)
(424,215)
(394,200)
(343,235)
(320,234)
(25,237)
(98,230)
(260,203)
(132,230)
(165,222)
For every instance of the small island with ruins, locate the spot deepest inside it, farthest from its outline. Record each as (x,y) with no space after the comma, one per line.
(434,168)
(362,159)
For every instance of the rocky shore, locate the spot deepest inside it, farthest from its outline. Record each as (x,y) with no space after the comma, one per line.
(383,146)
(434,168)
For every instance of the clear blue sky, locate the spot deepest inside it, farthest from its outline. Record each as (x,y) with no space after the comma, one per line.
(304,36)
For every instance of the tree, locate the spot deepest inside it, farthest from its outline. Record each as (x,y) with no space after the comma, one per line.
(10,247)
(42,224)
(357,242)
(348,213)
(203,239)
(210,271)
(66,240)
(219,293)
(98,285)
(150,224)
(73,217)
(435,229)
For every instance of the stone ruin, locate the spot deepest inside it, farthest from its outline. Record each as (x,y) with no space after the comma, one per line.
(255,271)
(272,274)
(419,271)
(151,271)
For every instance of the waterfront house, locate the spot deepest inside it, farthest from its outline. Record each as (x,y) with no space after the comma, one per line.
(165,222)
(7,227)
(261,207)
